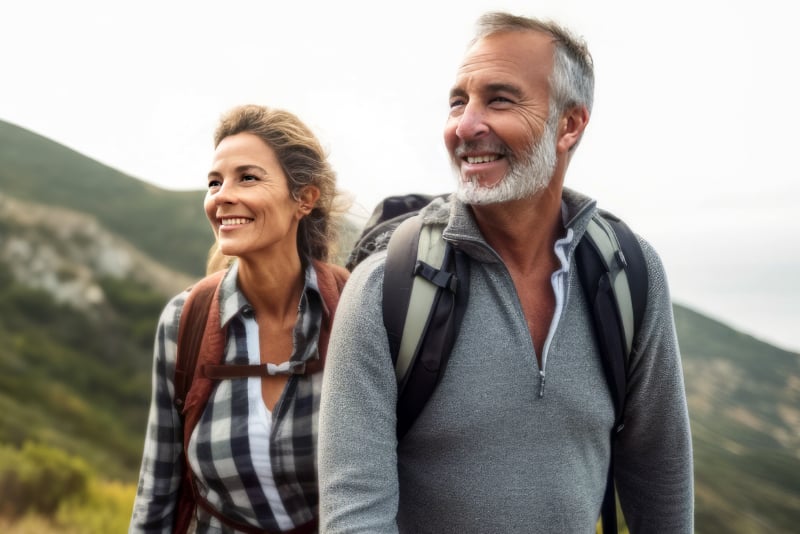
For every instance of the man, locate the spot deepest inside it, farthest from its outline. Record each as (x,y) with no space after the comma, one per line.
(516,436)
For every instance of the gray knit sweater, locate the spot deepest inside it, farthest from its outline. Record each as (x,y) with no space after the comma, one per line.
(494,450)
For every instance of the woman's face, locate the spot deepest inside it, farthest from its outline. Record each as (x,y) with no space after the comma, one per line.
(248,201)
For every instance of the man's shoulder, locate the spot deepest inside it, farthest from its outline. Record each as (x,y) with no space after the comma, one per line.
(655,266)
(367,276)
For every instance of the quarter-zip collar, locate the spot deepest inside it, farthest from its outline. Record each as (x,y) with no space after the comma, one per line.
(463,232)
(462,229)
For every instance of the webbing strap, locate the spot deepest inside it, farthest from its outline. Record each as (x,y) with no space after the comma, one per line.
(228,371)
(605,240)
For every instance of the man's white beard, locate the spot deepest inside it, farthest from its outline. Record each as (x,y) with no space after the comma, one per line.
(523,179)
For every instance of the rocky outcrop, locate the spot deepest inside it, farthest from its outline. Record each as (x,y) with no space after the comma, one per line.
(65,253)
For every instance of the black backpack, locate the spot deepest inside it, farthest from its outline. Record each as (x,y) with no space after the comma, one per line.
(425,293)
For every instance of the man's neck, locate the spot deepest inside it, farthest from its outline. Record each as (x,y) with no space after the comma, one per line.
(523,232)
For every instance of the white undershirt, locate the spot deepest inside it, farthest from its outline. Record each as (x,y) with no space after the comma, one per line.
(260,427)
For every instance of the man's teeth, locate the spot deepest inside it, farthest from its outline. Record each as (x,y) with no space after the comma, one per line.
(227,222)
(482,159)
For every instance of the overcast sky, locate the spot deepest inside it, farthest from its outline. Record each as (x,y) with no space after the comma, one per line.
(692,139)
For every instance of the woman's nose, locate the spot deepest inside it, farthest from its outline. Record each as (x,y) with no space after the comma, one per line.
(225,193)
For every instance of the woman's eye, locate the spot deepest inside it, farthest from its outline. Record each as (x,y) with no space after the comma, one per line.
(213,183)
(249,178)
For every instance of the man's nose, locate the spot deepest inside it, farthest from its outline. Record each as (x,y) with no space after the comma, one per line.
(472,122)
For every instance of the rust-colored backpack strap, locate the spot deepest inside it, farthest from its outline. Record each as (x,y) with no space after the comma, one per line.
(211,352)
(194,317)
(330,279)
(190,334)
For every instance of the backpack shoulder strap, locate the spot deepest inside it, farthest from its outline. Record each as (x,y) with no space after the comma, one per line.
(194,316)
(425,290)
(420,245)
(190,335)
(613,273)
(398,277)
(636,271)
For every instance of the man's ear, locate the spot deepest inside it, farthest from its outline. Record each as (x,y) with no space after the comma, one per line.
(571,127)
(307,199)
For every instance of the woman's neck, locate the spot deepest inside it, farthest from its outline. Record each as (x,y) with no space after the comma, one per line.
(273,288)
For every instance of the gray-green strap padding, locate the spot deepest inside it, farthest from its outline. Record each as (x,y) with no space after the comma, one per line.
(605,239)
(431,251)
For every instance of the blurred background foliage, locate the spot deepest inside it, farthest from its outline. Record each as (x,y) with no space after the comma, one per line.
(46,490)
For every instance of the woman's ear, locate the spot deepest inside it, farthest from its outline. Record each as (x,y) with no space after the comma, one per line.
(306,200)
(572,125)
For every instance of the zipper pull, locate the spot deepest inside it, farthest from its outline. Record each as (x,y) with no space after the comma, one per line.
(541,383)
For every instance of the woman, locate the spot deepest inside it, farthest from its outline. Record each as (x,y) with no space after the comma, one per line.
(252,450)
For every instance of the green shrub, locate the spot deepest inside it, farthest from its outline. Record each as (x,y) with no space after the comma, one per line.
(37,478)
(106,508)
(43,490)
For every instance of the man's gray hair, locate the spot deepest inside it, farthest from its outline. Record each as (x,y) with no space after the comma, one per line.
(572,81)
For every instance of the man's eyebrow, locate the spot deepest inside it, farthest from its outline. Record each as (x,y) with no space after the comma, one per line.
(490,88)
(504,88)
(457,91)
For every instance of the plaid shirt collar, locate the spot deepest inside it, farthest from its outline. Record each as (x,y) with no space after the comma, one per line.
(233,303)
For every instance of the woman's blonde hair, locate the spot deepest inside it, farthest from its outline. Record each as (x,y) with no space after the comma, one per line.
(304,162)
(216,260)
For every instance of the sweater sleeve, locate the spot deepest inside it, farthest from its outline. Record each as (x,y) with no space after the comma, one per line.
(357,436)
(653,455)
(161,469)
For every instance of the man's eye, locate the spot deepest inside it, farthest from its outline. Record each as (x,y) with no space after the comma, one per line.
(456,102)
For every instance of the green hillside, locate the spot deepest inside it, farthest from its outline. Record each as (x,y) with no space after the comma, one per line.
(168,225)
(77,381)
(744,404)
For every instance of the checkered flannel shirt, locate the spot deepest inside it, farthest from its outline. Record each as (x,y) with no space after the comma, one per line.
(226,470)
